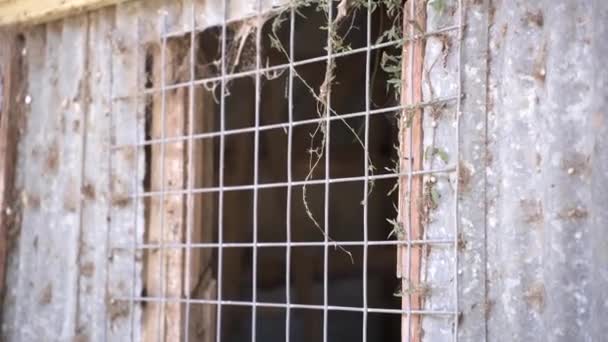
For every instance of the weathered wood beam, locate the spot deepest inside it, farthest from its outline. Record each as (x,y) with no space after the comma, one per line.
(11,108)
(169,220)
(166,224)
(36,11)
(411,146)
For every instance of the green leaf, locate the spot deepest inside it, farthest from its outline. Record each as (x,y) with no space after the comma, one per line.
(442,155)
(430,152)
(438,5)
(435,197)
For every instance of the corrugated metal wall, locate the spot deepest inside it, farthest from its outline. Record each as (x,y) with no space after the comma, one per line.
(534,229)
(534,174)
(547,237)
(57,272)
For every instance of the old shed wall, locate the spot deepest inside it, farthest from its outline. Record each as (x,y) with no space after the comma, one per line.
(533,262)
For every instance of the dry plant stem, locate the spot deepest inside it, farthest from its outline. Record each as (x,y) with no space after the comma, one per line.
(316,154)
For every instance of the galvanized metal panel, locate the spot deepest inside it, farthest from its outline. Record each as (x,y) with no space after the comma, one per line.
(51,178)
(35,59)
(444,67)
(542,264)
(92,259)
(597,238)
(472,179)
(532,255)
(127,173)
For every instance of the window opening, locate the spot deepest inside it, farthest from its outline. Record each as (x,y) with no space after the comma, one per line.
(281,175)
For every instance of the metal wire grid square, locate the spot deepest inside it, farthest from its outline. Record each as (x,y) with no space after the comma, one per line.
(137,196)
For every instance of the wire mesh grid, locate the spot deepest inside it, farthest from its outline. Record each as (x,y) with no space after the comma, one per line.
(404,176)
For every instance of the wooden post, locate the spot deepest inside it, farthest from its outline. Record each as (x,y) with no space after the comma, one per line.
(410,211)
(166,224)
(12,101)
(171,173)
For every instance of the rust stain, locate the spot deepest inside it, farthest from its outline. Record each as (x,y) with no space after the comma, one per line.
(535,297)
(535,18)
(52,157)
(120,201)
(462,242)
(598,120)
(539,160)
(576,164)
(464,178)
(88,191)
(491,12)
(46,296)
(539,71)
(489,158)
(504,30)
(71,199)
(76,126)
(489,306)
(532,211)
(118,309)
(576,213)
(62,124)
(35,152)
(87,269)
(129,155)
(81,337)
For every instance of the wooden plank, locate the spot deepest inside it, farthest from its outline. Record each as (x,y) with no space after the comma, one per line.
(410,212)
(165,267)
(34,11)
(173,226)
(12,89)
